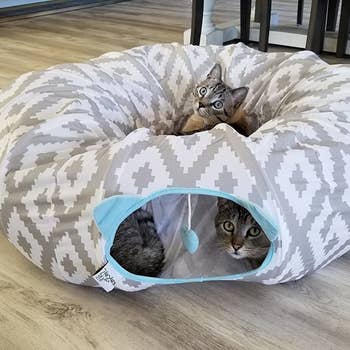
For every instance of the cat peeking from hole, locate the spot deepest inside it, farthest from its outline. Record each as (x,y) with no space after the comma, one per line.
(215,102)
(239,234)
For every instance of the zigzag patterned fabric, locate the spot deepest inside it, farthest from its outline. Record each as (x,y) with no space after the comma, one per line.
(75,134)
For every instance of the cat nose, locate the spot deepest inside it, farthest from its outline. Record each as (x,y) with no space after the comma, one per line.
(236,246)
(200,105)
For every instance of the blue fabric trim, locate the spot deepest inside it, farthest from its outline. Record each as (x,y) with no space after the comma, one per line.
(109,213)
(123,205)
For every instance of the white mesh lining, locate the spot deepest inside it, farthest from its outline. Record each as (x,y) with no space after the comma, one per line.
(170,214)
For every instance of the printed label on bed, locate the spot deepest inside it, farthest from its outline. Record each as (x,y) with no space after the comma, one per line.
(105,278)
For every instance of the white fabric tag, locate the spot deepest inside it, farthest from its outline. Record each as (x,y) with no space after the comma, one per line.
(105,278)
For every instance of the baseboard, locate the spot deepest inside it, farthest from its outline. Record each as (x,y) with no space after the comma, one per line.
(49,6)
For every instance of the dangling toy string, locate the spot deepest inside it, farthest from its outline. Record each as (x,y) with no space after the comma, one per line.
(189,237)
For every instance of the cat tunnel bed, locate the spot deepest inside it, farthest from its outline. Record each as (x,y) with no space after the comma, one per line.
(78,154)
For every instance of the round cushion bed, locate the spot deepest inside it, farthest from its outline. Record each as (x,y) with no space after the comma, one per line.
(78,155)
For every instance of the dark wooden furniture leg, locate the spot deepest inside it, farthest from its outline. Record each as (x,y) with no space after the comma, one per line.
(344,26)
(246,6)
(197,20)
(300,12)
(333,7)
(257,14)
(317,26)
(265,20)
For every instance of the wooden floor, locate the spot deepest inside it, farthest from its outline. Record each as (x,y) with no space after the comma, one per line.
(38,312)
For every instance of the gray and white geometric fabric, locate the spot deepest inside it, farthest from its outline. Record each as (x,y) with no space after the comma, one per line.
(75,134)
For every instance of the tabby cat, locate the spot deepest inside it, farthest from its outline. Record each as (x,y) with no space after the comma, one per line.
(137,246)
(215,102)
(239,234)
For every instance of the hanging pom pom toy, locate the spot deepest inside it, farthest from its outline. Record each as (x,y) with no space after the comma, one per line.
(189,237)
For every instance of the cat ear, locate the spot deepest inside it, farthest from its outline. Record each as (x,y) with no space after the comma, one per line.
(238,95)
(215,72)
(222,202)
(233,99)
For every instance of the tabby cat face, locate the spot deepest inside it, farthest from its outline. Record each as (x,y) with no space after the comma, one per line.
(215,101)
(238,232)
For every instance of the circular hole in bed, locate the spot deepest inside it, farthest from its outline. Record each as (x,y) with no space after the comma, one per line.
(183,248)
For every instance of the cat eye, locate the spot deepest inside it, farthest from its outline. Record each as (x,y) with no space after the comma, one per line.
(202,91)
(228,226)
(254,232)
(217,104)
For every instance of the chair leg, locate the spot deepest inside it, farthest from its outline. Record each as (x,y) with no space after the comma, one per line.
(246,6)
(265,20)
(344,26)
(317,26)
(197,20)
(333,7)
(257,14)
(300,12)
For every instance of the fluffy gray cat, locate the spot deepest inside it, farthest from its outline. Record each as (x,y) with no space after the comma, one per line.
(137,246)
(239,234)
(215,102)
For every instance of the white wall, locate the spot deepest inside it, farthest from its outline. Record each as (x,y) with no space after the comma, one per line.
(9,3)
